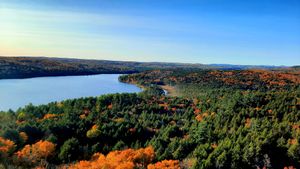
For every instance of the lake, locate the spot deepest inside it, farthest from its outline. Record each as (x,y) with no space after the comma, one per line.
(15,93)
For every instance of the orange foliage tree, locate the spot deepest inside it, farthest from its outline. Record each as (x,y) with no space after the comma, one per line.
(125,159)
(165,164)
(49,116)
(6,147)
(36,152)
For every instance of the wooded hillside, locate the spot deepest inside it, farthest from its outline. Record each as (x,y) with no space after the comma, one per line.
(228,127)
(25,67)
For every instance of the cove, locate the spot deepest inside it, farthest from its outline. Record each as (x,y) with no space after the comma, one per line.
(15,93)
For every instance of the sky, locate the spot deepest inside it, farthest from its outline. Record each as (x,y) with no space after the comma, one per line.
(248,32)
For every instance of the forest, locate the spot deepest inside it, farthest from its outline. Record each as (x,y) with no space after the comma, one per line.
(219,119)
(251,79)
(27,67)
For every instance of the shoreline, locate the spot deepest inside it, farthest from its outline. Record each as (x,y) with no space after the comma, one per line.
(64,75)
(169,90)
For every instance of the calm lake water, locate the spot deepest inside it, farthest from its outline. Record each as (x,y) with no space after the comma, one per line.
(15,93)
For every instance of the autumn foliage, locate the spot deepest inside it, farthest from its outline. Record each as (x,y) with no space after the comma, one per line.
(125,159)
(93,132)
(6,146)
(222,119)
(241,79)
(165,164)
(24,136)
(34,153)
(49,116)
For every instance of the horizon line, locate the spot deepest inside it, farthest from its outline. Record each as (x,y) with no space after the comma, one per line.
(137,61)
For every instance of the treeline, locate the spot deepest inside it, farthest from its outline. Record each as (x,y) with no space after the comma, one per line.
(25,67)
(263,80)
(219,129)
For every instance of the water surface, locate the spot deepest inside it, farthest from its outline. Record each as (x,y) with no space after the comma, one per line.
(15,93)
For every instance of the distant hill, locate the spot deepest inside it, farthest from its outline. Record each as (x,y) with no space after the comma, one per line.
(296,67)
(242,67)
(26,67)
(252,79)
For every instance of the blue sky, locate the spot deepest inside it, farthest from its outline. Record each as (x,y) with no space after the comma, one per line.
(264,32)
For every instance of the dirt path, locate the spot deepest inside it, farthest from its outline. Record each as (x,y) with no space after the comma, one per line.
(170,89)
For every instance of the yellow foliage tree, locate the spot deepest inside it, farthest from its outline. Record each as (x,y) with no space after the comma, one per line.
(93,132)
(24,136)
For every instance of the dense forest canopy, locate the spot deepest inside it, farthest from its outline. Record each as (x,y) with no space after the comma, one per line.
(233,119)
(236,79)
